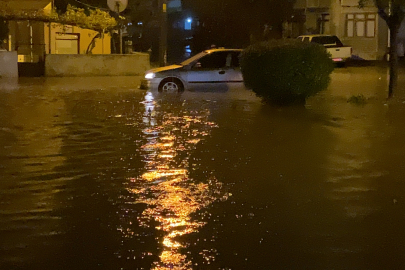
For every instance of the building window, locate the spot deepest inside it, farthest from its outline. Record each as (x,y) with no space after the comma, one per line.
(360,25)
(67,43)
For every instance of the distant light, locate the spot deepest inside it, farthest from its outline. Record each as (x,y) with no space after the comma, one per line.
(187,24)
(140,23)
(129,23)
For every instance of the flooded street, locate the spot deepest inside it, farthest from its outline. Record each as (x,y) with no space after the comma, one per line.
(97,174)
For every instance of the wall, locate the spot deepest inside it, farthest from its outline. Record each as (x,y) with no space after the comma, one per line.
(350,3)
(368,48)
(383,36)
(312,3)
(8,64)
(55,31)
(74,65)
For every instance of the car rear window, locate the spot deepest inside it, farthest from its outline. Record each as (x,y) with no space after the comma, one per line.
(327,40)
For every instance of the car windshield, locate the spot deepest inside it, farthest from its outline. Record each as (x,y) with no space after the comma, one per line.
(192,59)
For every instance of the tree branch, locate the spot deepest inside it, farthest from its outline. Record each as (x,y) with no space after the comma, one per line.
(383,14)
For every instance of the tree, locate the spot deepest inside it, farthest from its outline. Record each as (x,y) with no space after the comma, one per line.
(3,30)
(140,12)
(96,19)
(392,12)
(61,5)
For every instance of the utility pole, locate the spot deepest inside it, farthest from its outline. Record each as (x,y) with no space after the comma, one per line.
(163,33)
(117,6)
(50,29)
(389,31)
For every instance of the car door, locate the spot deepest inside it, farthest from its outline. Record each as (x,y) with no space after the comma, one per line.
(208,71)
(215,70)
(233,73)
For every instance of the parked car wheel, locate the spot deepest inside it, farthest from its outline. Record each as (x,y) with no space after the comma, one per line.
(171,85)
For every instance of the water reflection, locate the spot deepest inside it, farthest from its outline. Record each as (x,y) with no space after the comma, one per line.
(172,198)
(319,187)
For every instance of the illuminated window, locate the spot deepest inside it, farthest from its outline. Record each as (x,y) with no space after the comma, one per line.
(360,25)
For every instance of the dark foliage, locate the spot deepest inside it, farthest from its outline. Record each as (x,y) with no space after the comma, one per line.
(61,5)
(235,23)
(286,71)
(3,30)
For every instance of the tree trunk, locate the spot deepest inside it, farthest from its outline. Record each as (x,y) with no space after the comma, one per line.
(393,61)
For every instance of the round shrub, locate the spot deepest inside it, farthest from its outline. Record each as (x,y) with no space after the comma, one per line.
(286,71)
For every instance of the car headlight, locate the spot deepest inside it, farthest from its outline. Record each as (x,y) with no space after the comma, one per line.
(150,75)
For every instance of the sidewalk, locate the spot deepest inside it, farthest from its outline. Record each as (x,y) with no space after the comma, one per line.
(72,83)
(372,63)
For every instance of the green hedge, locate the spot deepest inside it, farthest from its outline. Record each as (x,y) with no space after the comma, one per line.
(286,71)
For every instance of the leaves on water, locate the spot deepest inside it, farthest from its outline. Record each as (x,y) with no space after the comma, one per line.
(357,99)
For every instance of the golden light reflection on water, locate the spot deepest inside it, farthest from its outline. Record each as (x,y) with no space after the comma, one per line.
(165,187)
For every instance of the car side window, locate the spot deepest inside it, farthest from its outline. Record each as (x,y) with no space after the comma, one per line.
(213,61)
(306,39)
(235,59)
(228,60)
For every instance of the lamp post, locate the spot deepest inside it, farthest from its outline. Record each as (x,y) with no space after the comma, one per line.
(117,7)
(163,33)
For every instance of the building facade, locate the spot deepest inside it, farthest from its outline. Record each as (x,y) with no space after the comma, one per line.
(33,40)
(360,28)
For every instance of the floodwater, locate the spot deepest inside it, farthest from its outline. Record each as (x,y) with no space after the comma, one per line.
(97,174)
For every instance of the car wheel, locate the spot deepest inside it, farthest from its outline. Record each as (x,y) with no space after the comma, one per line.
(171,85)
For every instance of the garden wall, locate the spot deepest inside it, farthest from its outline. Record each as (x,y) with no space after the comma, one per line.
(8,64)
(75,65)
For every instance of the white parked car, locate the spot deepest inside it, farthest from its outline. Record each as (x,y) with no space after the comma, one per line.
(338,52)
(210,68)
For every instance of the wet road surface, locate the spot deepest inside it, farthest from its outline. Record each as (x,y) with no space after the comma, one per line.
(97,174)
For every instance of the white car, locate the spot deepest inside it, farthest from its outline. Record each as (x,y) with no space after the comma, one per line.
(210,68)
(338,52)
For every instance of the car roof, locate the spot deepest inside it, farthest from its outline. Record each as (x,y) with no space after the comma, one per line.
(316,35)
(223,50)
